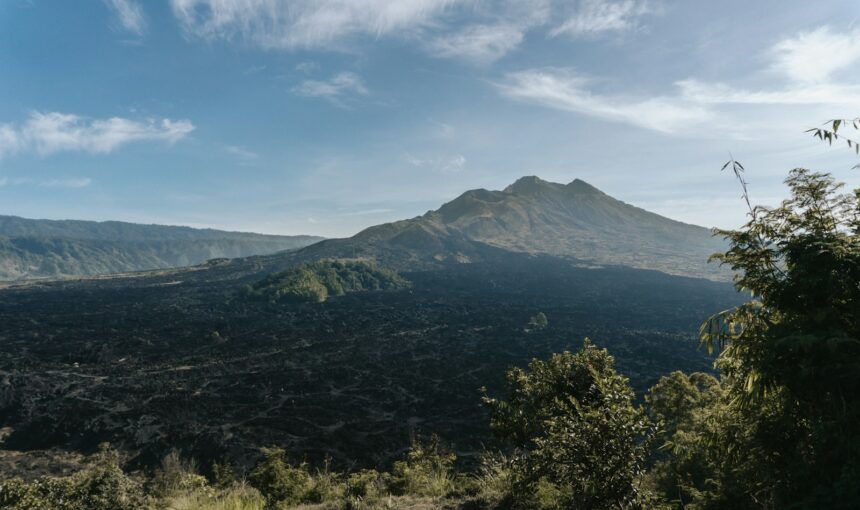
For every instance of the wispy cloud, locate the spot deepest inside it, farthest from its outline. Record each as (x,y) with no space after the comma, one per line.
(307,67)
(446,164)
(813,57)
(366,212)
(564,89)
(74,182)
(485,31)
(241,152)
(492,30)
(721,93)
(79,182)
(808,64)
(479,31)
(254,70)
(129,15)
(333,89)
(308,24)
(47,133)
(479,43)
(593,17)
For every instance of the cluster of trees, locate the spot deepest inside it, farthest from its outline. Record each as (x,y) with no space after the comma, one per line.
(315,282)
(425,476)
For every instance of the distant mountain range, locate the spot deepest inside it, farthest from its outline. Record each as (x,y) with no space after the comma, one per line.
(51,249)
(575,220)
(223,358)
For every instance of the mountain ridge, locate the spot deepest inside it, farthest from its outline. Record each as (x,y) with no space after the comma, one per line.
(35,249)
(531,215)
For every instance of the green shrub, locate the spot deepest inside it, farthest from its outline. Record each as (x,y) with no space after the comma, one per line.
(316,281)
(237,497)
(571,422)
(278,481)
(538,321)
(102,486)
(176,475)
(494,480)
(222,475)
(366,485)
(427,471)
(326,486)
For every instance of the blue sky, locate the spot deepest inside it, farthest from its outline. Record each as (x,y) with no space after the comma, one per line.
(327,116)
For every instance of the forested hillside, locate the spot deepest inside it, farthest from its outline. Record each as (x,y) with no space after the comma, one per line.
(48,248)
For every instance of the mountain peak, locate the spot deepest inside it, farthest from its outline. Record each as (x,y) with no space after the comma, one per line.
(532,184)
(528,185)
(574,220)
(580,186)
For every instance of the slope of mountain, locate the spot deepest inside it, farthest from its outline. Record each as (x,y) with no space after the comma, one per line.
(182,358)
(48,248)
(534,216)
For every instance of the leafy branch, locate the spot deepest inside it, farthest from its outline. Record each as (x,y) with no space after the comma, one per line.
(832,134)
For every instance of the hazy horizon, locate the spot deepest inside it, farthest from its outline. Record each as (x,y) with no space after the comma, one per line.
(325,118)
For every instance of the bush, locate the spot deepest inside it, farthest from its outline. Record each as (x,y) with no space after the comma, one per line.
(278,481)
(222,475)
(176,475)
(102,486)
(571,423)
(237,497)
(325,486)
(427,471)
(538,321)
(495,480)
(315,282)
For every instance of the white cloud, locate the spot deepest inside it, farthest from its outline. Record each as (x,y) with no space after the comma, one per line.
(129,14)
(47,133)
(74,182)
(334,88)
(563,89)
(78,182)
(480,43)
(367,212)
(302,23)
(307,67)
(10,141)
(802,94)
(812,57)
(594,17)
(455,164)
(241,152)
(480,31)
(496,28)
(696,107)
(449,164)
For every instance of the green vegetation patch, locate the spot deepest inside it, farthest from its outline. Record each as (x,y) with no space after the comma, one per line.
(315,282)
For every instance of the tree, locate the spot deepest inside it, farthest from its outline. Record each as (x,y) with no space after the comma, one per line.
(790,358)
(427,470)
(101,486)
(277,480)
(571,423)
(538,321)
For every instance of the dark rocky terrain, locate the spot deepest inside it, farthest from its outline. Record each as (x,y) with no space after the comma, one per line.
(176,359)
(183,358)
